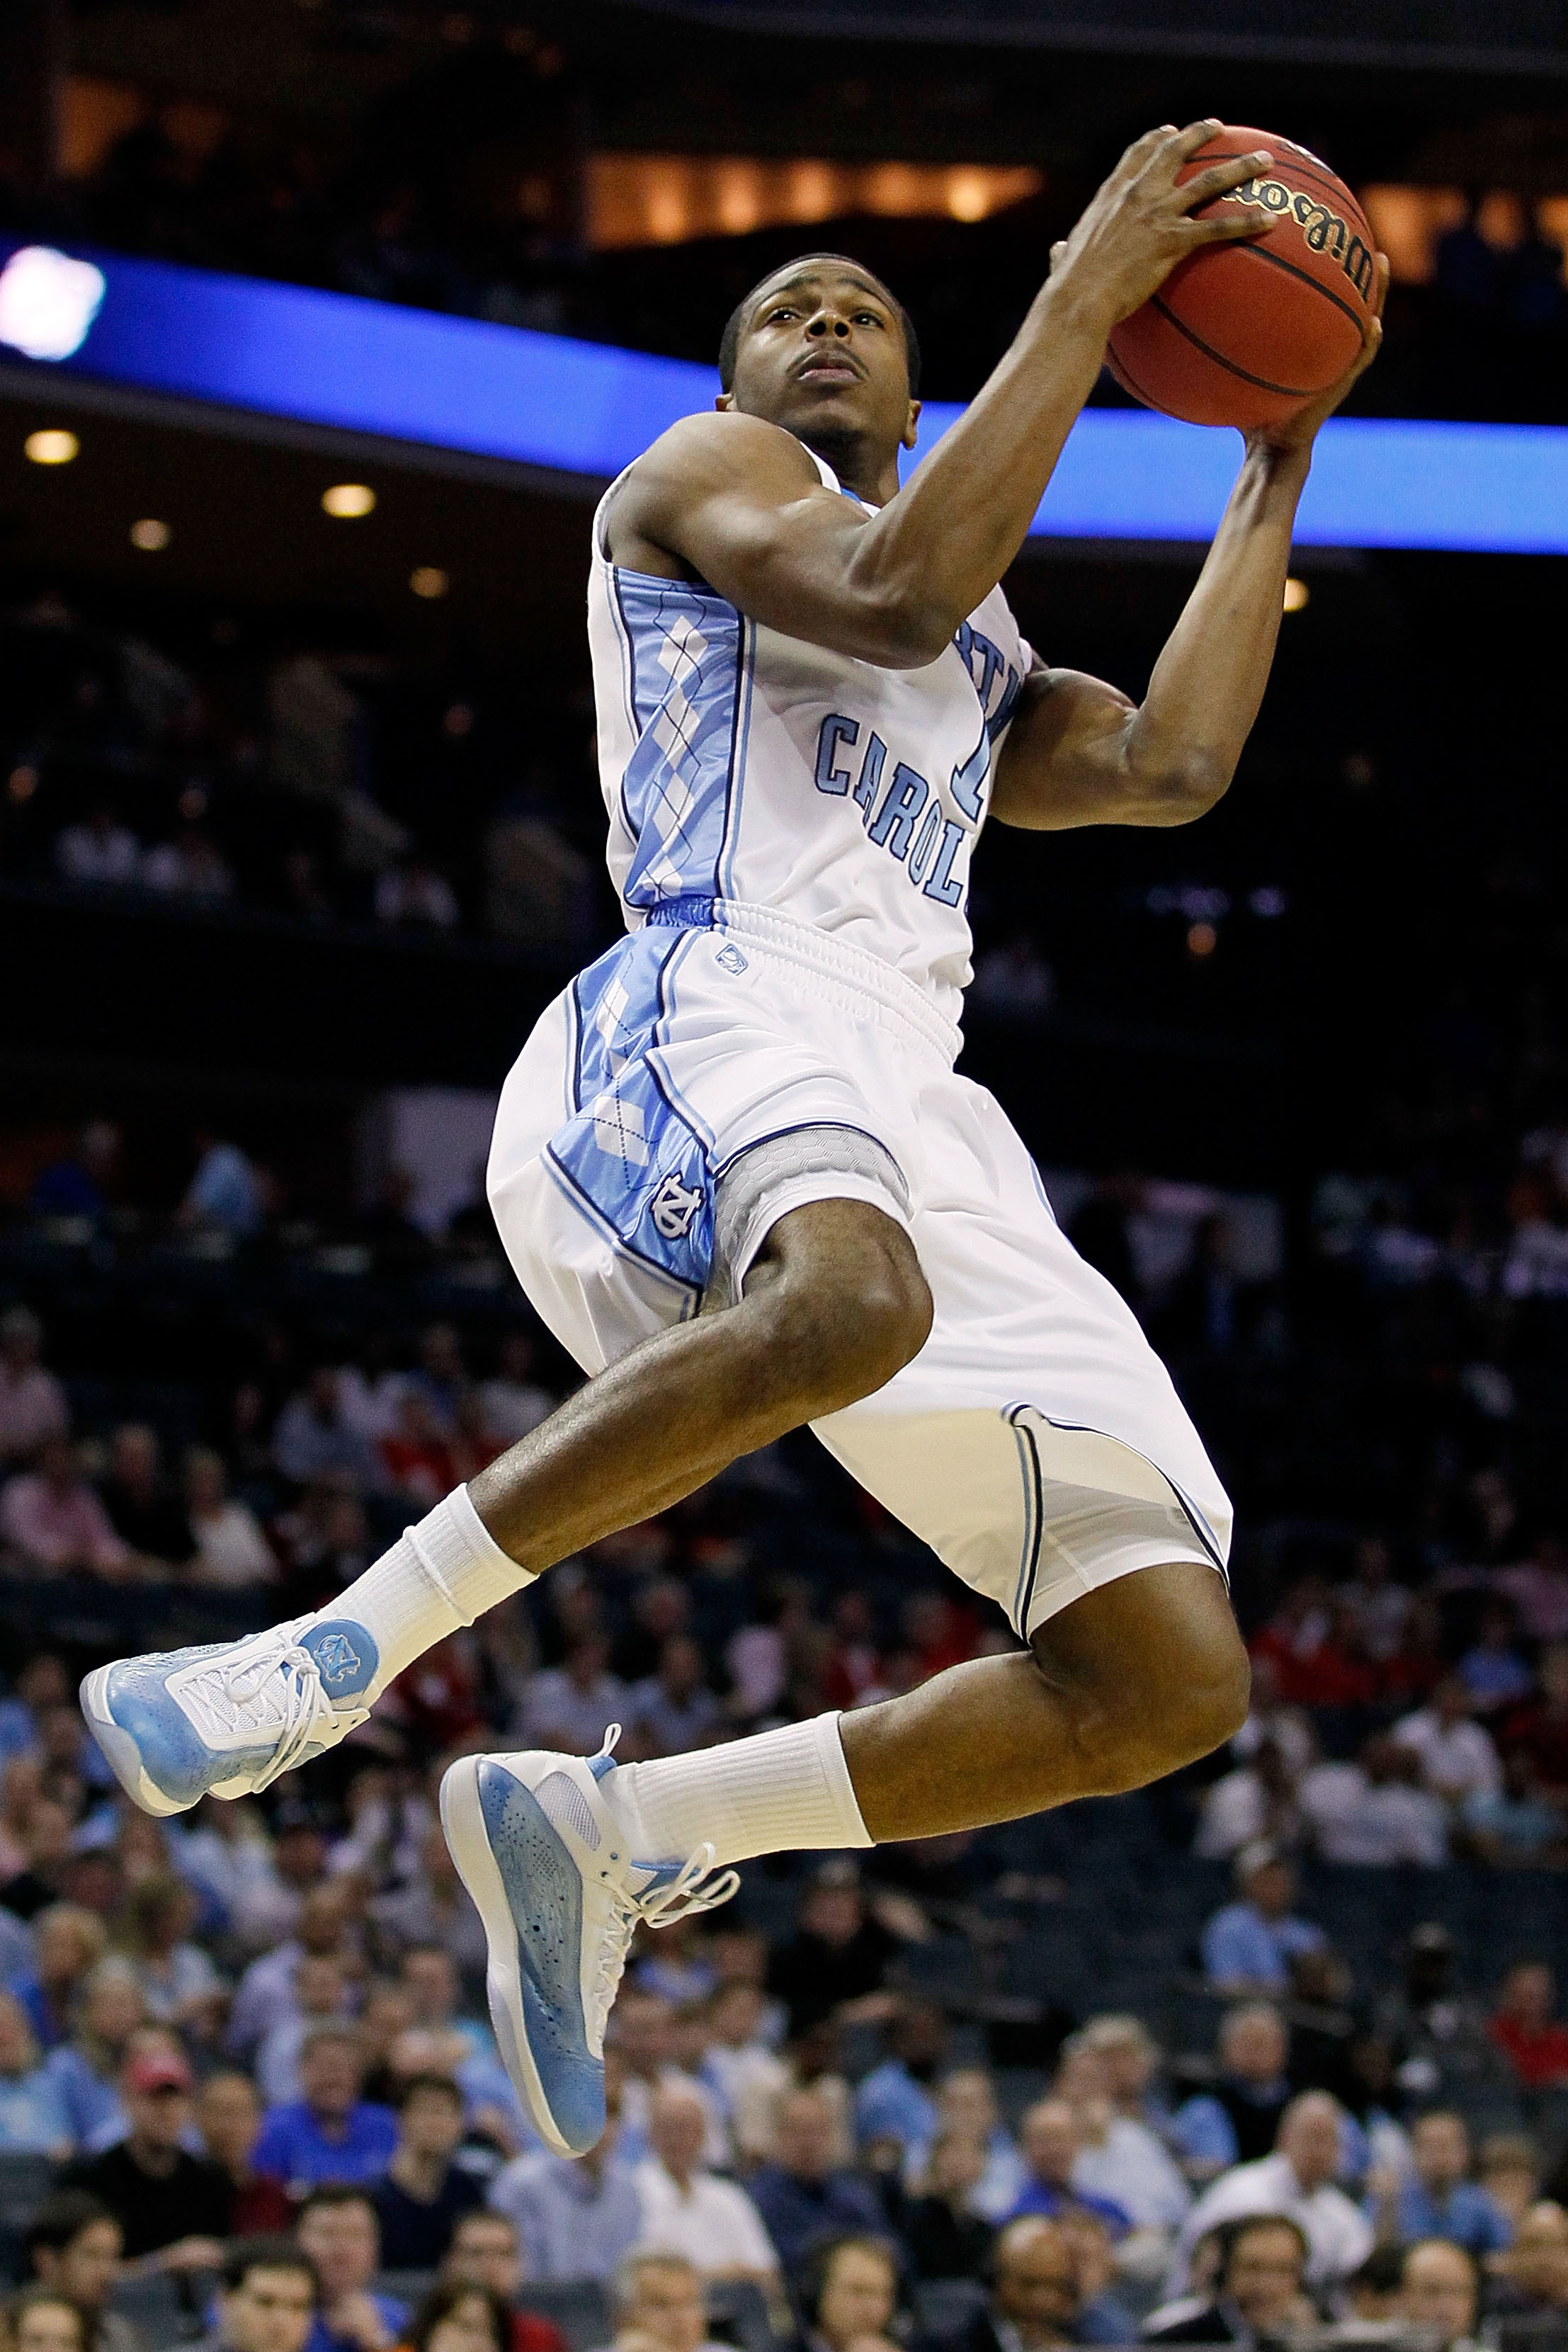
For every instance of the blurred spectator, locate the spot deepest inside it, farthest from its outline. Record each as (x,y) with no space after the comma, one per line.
(54,1519)
(1379,1605)
(42,2319)
(32,2118)
(571,1707)
(1491,1672)
(1288,1727)
(166,2201)
(1517,1828)
(1526,2030)
(433,1906)
(513,1402)
(895,2100)
(1532,2279)
(966,2107)
(88,2069)
(1034,2300)
(1439,2290)
(1051,2144)
(1439,2200)
(413,896)
(744,2073)
(660,2304)
(144,1510)
(1297,2180)
(1440,2040)
(484,2251)
(225,1195)
(848,2293)
(1457,1756)
(1258,1799)
(177,1980)
(416,1455)
(73,2244)
(837,1954)
(539,890)
(1014,981)
(1370,1815)
(947,2238)
(320,1997)
(314,1436)
(189,866)
(674,1709)
(1539,1729)
(1120,2161)
(574,2218)
(1538,1588)
(329,2133)
(98,850)
(460,2316)
(1237,2120)
(268,2301)
(423,2192)
(78,1185)
(689,2211)
(32,1409)
(1509,2170)
(337,2230)
(229,2118)
(802,2194)
(1258,2288)
(1248,1946)
(67,1944)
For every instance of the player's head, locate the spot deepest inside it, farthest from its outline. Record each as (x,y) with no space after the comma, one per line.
(822,347)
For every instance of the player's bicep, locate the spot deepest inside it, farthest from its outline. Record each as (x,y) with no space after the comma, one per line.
(1064,761)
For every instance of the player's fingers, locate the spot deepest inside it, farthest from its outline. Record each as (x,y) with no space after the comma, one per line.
(1142,150)
(1228,227)
(1204,186)
(1058,250)
(1380,286)
(1181,144)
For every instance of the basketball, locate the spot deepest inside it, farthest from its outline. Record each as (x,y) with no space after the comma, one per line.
(1243,334)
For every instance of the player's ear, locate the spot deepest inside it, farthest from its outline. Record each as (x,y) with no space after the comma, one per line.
(725,400)
(911,425)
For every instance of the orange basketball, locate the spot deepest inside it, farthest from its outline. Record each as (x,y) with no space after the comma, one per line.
(1242,334)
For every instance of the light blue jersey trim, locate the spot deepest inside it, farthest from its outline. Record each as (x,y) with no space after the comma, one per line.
(692,656)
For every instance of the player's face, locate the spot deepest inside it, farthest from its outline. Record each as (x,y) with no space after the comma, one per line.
(823,353)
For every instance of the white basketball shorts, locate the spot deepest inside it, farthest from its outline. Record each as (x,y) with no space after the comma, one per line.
(711,1074)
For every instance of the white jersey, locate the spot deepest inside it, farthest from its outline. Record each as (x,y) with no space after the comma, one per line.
(741,764)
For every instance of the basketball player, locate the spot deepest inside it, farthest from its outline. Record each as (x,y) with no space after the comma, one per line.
(739,1180)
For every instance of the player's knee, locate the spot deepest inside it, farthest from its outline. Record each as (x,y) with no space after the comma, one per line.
(1138,1709)
(844,1321)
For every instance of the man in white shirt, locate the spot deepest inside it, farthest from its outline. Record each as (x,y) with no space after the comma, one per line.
(686,2209)
(1369,1813)
(1457,1759)
(1297,2181)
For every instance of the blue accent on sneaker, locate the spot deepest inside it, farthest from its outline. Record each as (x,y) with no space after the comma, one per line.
(345,1653)
(170,1749)
(544,1894)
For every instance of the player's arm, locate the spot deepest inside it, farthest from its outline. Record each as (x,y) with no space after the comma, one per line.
(739,502)
(1078,752)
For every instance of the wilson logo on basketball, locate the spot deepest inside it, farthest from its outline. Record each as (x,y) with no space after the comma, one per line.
(1323,231)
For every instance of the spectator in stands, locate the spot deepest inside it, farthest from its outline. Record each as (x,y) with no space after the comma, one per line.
(1379,1604)
(659,2300)
(315,1437)
(688,2209)
(1051,2145)
(32,2118)
(53,1517)
(144,1511)
(337,2230)
(674,1710)
(1532,2278)
(946,2236)
(457,2318)
(1034,2302)
(802,2194)
(1297,2181)
(1438,2198)
(574,2218)
(98,850)
(423,2192)
(1539,1729)
(33,1408)
(1258,1799)
(1120,2157)
(1520,1827)
(1526,2030)
(413,896)
(269,2298)
(318,1916)
(88,2068)
(48,1845)
(73,2244)
(838,1954)
(228,2116)
(1258,2292)
(966,2105)
(848,2293)
(1371,1814)
(321,1997)
(1457,1756)
(230,1548)
(42,2319)
(745,2076)
(484,2251)
(571,1707)
(191,866)
(77,1184)
(1491,1671)
(226,1194)
(329,2133)
(1439,2289)
(1440,2040)
(896,2100)
(433,1906)
(513,1402)
(168,2203)
(1509,2170)
(177,1979)
(1248,1945)
(68,1945)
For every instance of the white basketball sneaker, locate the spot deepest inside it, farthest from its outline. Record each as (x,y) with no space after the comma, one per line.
(231,1717)
(546,1862)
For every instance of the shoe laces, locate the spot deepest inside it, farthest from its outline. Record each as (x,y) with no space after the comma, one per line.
(274,1689)
(658,1906)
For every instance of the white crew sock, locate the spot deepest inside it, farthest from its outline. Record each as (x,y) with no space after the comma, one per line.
(785,1792)
(438,1576)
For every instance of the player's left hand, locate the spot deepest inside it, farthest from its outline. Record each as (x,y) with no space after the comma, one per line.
(1299,431)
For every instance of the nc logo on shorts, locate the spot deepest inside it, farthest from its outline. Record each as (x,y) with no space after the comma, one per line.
(336,1657)
(674,1206)
(731,959)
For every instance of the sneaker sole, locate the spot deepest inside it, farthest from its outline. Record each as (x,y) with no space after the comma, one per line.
(121,1751)
(468,1842)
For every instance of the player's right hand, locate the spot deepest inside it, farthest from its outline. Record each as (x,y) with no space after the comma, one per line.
(1139,224)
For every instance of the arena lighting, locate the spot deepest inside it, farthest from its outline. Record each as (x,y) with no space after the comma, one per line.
(428,580)
(467,385)
(50,447)
(150,535)
(348,501)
